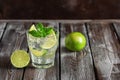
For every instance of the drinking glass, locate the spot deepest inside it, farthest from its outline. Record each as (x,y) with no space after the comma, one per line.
(43,49)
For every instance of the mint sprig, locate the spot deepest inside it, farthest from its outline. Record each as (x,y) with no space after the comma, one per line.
(34,33)
(41,31)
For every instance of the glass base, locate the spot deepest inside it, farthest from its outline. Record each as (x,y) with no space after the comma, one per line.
(43,66)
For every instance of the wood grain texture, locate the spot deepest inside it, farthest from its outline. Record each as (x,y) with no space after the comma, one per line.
(75,65)
(13,38)
(2,27)
(105,50)
(32,73)
(117,28)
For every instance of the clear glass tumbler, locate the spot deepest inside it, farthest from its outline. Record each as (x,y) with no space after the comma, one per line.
(43,49)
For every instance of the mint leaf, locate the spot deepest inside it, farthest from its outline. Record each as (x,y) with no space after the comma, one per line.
(41,29)
(34,33)
(48,30)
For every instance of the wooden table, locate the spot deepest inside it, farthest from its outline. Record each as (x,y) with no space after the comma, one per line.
(100,60)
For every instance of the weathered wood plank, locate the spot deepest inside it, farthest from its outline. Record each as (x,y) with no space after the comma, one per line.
(2,27)
(105,50)
(115,74)
(13,38)
(75,65)
(52,73)
(117,28)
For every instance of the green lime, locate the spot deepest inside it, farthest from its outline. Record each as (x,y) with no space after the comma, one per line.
(75,41)
(20,58)
(38,53)
(50,40)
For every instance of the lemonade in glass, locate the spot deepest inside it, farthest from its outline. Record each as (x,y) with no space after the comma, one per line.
(42,42)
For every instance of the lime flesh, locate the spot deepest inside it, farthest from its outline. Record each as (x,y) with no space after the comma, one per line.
(20,58)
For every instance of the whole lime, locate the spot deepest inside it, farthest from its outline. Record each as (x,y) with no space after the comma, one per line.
(75,41)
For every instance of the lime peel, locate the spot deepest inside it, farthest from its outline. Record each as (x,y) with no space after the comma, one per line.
(75,41)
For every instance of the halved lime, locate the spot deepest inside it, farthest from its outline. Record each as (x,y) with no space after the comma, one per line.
(38,53)
(20,58)
(50,40)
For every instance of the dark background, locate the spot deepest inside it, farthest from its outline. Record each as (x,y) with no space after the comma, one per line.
(59,9)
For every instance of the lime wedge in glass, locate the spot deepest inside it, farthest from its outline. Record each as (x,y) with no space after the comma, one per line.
(38,53)
(32,28)
(20,58)
(50,40)
(49,55)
